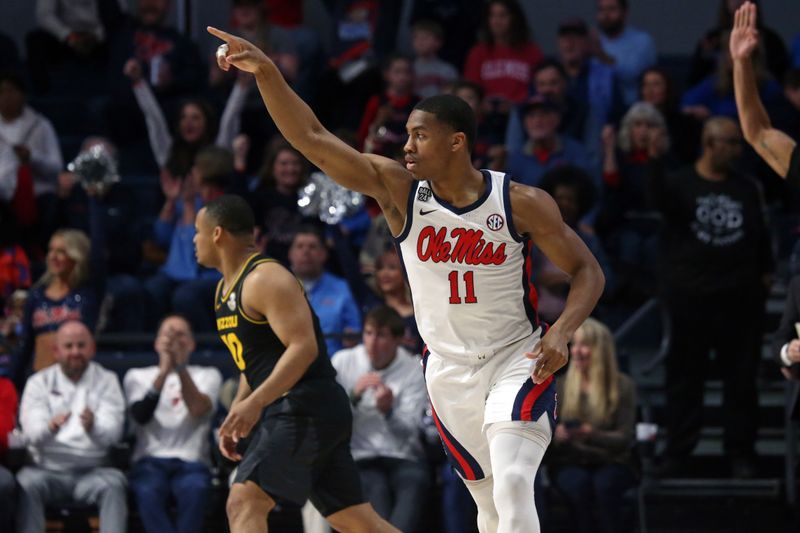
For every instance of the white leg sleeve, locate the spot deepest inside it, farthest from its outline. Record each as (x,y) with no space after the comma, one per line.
(516,450)
(482,493)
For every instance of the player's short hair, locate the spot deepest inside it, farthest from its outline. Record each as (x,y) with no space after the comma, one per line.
(232,213)
(384,316)
(454,112)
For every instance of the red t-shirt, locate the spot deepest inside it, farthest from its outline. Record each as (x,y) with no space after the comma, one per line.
(8,411)
(502,70)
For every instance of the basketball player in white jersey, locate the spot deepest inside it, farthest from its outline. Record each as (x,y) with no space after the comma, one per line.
(464,236)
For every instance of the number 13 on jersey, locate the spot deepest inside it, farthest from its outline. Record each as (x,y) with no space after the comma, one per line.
(235,346)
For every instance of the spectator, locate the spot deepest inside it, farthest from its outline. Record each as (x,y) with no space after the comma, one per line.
(383,124)
(72,288)
(284,173)
(249,18)
(633,50)
(71,414)
(431,73)
(124,305)
(15,268)
(172,405)
(67,30)
(714,94)
(550,81)
(388,395)
(591,452)
(502,63)
(394,292)
(329,295)
(657,89)
(352,75)
(626,222)
(545,148)
(8,489)
(196,126)
(462,14)
(182,285)
(714,43)
(488,150)
(716,261)
(590,79)
(30,168)
(574,193)
(169,59)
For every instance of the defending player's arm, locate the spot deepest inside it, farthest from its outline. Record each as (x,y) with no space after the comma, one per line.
(774,146)
(379,177)
(271,291)
(536,215)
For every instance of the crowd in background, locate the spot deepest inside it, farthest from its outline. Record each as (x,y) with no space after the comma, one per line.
(645,161)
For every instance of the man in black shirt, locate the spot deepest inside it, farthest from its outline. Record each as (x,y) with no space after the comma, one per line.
(289,404)
(716,263)
(775,147)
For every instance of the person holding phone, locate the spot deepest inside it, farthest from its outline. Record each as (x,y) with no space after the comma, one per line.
(591,457)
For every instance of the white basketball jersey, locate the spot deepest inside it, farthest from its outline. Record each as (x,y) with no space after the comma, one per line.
(469,272)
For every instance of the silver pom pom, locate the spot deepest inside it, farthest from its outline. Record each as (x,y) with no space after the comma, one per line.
(96,167)
(327,200)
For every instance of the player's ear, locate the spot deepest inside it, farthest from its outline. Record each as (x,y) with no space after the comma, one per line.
(216,234)
(459,140)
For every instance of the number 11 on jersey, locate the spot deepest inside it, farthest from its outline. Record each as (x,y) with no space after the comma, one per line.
(469,282)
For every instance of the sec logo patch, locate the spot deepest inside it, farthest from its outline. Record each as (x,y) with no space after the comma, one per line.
(495,222)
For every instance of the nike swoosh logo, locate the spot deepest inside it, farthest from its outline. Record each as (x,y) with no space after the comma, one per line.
(422,212)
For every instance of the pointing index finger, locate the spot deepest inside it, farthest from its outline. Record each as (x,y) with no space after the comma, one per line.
(225,36)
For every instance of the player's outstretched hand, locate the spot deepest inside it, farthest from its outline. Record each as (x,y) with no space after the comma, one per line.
(550,355)
(237,52)
(227,446)
(240,420)
(744,37)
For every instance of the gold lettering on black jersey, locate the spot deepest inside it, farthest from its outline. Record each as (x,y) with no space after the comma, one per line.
(227,322)
(235,346)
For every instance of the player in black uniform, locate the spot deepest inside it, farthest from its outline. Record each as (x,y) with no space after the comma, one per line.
(289,403)
(776,148)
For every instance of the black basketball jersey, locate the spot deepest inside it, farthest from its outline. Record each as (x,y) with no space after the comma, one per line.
(254,346)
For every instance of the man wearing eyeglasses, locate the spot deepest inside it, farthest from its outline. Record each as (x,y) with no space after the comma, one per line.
(716,262)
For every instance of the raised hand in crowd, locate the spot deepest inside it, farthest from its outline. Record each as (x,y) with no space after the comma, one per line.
(133,70)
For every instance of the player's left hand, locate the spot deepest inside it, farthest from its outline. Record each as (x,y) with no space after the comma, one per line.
(240,420)
(550,355)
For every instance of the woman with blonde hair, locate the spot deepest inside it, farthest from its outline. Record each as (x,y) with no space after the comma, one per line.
(72,288)
(591,461)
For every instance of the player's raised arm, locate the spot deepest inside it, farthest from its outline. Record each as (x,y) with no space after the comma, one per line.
(302,129)
(537,216)
(774,146)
